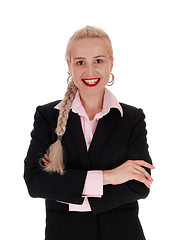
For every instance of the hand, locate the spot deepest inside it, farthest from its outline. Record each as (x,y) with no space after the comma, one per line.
(46,161)
(130,170)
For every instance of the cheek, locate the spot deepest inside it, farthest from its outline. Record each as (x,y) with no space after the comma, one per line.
(106,78)
(76,75)
(105,72)
(76,78)
(75,71)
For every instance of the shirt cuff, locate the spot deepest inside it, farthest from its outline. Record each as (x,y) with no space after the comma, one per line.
(84,207)
(93,184)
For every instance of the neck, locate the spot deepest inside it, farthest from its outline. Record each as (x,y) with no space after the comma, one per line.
(92,104)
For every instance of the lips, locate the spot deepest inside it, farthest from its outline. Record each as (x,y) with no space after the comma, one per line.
(91,82)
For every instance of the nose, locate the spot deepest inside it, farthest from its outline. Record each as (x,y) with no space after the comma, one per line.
(90,70)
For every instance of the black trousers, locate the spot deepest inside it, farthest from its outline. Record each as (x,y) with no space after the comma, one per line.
(112,225)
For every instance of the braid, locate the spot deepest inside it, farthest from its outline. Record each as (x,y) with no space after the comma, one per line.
(55,151)
(64,111)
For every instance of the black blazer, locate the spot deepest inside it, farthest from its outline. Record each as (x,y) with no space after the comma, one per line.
(116,140)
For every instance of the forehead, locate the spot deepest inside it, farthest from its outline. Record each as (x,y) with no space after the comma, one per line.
(89,47)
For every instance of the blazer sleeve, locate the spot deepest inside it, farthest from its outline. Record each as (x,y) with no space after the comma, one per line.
(52,186)
(117,195)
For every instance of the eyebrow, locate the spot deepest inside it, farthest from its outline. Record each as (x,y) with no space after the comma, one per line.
(99,56)
(78,58)
(84,58)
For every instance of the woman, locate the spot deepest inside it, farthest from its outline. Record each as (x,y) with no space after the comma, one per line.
(94,155)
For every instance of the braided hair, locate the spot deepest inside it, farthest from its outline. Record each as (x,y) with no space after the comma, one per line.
(55,151)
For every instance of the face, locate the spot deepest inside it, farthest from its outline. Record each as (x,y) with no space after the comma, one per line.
(90,65)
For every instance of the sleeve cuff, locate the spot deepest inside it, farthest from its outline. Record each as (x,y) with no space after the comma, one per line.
(85,207)
(93,184)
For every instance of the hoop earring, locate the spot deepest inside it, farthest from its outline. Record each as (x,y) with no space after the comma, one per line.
(110,83)
(70,80)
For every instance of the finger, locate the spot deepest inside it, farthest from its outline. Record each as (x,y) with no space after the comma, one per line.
(144,172)
(47,157)
(142,179)
(144,164)
(45,161)
(135,171)
(149,181)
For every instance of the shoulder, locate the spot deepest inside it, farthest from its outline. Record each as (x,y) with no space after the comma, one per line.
(132,112)
(128,108)
(49,106)
(47,110)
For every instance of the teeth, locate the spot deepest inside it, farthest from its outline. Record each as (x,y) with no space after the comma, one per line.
(92,81)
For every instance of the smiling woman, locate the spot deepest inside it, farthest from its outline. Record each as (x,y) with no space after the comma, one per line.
(90,66)
(88,155)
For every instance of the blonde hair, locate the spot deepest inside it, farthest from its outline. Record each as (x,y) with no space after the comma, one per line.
(88,32)
(55,151)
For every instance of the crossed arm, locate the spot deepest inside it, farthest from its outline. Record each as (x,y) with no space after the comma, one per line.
(126,183)
(130,170)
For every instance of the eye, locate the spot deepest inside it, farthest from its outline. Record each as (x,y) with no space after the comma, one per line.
(80,63)
(99,61)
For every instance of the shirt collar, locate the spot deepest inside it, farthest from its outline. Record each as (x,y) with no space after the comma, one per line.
(109,102)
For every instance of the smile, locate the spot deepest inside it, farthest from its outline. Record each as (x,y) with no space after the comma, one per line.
(91,82)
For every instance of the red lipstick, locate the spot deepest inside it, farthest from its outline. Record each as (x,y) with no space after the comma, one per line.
(91,82)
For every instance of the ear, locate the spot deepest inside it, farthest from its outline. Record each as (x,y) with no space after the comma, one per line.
(111,64)
(69,65)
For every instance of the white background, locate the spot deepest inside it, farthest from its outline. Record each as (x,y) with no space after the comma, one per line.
(33,38)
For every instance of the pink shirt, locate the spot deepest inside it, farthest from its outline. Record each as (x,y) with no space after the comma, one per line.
(94,180)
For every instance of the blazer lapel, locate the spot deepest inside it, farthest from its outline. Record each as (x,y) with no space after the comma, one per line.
(90,159)
(100,138)
(75,128)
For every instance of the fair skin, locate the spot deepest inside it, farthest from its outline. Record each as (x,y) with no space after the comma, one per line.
(90,66)
(89,61)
